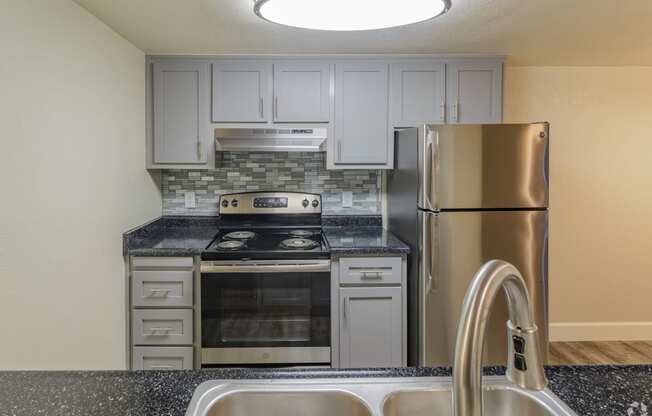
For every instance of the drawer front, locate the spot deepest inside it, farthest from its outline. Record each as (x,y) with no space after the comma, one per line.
(370,270)
(162,358)
(162,288)
(162,326)
(162,262)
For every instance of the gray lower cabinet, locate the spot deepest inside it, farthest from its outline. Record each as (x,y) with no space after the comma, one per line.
(371,327)
(181,131)
(474,91)
(361,135)
(161,313)
(302,92)
(369,312)
(242,91)
(162,358)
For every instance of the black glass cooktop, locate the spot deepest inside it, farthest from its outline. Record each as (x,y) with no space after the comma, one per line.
(267,243)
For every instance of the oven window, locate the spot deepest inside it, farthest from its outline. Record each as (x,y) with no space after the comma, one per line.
(265,310)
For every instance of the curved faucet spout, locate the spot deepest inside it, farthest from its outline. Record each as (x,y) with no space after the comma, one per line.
(524,364)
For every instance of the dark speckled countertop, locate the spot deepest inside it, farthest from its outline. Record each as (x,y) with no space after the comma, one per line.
(189,236)
(171,236)
(588,390)
(363,241)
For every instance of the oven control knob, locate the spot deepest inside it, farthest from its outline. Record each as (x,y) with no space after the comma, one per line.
(234,203)
(315,203)
(305,203)
(225,203)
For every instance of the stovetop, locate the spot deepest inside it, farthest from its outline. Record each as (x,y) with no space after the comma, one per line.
(269,243)
(268,226)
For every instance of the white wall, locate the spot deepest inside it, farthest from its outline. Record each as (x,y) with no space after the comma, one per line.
(601,194)
(72,154)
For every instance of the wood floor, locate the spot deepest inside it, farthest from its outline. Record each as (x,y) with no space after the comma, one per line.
(604,352)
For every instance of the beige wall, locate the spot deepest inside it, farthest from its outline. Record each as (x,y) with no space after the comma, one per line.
(72,158)
(601,191)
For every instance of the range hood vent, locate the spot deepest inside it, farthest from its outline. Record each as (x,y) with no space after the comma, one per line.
(271,140)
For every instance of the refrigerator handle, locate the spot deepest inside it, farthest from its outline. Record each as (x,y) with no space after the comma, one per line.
(430,167)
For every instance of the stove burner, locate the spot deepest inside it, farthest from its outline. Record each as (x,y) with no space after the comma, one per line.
(301,233)
(240,235)
(298,243)
(229,245)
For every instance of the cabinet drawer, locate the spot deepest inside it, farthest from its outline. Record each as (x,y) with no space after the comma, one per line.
(162,288)
(370,270)
(162,262)
(162,326)
(162,358)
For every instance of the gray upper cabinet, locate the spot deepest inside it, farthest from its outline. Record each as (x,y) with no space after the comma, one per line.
(301,92)
(418,93)
(370,327)
(474,91)
(361,135)
(180,113)
(242,91)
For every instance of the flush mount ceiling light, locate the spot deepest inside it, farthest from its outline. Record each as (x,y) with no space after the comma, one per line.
(349,14)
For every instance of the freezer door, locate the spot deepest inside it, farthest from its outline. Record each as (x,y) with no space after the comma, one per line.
(477,166)
(453,247)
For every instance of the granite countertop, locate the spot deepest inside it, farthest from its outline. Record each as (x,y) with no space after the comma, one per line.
(189,236)
(367,240)
(588,390)
(171,236)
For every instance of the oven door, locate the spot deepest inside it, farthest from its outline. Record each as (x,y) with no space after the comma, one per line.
(265,312)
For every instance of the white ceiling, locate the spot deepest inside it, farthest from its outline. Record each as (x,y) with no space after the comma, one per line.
(529,32)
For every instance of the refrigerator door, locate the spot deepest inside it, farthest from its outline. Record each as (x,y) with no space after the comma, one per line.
(477,166)
(453,246)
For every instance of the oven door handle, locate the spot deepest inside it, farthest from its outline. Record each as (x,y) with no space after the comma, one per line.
(267,268)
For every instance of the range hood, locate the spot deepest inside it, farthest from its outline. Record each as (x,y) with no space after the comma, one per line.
(270,140)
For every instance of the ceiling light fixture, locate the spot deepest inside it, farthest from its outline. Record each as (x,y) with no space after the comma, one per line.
(348,15)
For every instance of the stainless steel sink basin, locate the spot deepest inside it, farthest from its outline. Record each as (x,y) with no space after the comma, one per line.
(288,403)
(363,397)
(499,400)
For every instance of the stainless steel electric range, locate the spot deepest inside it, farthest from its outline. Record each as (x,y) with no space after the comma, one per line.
(265,283)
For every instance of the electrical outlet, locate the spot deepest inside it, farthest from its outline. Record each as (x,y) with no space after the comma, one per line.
(347,199)
(190,200)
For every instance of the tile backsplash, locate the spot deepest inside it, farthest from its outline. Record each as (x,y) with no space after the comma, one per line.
(282,171)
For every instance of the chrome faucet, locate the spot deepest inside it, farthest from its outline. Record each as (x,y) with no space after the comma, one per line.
(524,364)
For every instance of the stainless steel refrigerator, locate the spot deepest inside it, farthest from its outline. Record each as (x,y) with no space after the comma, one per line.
(461,195)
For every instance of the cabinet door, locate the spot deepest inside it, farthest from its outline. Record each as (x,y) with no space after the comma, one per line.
(370,327)
(418,93)
(474,92)
(241,92)
(301,92)
(361,114)
(181,118)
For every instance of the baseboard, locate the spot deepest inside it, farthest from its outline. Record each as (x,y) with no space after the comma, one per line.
(601,331)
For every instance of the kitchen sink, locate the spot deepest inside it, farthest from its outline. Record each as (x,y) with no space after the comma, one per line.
(413,396)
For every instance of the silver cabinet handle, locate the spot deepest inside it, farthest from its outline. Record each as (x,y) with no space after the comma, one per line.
(442,116)
(339,150)
(456,111)
(163,293)
(199,150)
(371,275)
(162,367)
(276,108)
(157,331)
(345,305)
(261,105)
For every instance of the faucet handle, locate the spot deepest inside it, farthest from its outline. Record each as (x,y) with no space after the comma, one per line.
(524,363)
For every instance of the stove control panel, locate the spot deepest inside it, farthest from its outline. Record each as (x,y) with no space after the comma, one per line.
(270,203)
